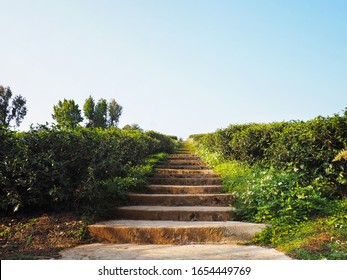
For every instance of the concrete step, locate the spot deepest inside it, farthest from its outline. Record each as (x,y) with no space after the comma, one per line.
(183,171)
(185,181)
(155,252)
(183,152)
(184,162)
(181,199)
(177,189)
(175,213)
(183,148)
(186,167)
(184,175)
(173,232)
(183,156)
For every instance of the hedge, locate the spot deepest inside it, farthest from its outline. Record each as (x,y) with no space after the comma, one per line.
(49,168)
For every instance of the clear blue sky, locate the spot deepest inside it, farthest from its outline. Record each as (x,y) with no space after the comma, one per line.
(181,66)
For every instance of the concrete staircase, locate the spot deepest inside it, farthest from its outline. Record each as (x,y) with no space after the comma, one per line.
(182,205)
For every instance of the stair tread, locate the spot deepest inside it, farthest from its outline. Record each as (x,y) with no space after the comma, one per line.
(183,186)
(186,167)
(184,171)
(185,181)
(177,208)
(180,195)
(174,189)
(185,175)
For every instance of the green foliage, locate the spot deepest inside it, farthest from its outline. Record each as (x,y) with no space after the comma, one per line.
(114,112)
(133,126)
(102,114)
(49,168)
(67,114)
(235,175)
(89,111)
(210,156)
(324,237)
(278,196)
(162,143)
(310,147)
(303,222)
(264,195)
(14,111)
(307,148)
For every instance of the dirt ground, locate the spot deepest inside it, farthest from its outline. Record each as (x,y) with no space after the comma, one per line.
(40,236)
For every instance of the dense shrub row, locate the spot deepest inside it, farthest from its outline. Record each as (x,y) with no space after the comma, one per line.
(308,148)
(48,168)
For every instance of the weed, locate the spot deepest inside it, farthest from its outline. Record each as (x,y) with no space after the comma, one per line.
(28,239)
(5,231)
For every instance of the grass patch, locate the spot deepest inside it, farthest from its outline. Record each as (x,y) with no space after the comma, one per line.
(317,239)
(322,237)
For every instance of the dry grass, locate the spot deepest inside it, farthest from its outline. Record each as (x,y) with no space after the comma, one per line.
(40,236)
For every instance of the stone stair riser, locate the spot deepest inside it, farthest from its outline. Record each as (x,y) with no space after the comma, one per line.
(185,175)
(162,189)
(182,171)
(183,162)
(174,215)
(174,236)
(183,157)
(183,150)
(177,200)
(185,181)
(186,167)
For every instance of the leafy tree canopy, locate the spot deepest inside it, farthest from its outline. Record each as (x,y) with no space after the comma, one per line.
(133,126)
(67,114)
(89,111)
(114,112)
(15,110)
(102,114)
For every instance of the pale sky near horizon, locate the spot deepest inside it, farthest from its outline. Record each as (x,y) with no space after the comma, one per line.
(178,67)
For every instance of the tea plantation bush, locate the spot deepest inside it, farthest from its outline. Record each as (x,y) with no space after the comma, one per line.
(308,148)
(79,170)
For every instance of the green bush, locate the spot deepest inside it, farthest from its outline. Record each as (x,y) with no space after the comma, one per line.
(266,196)
(297,146)
(309,146)
(49,168)
(163,144)
(272,195)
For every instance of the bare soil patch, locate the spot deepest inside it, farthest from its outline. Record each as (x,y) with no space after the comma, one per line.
(40,236)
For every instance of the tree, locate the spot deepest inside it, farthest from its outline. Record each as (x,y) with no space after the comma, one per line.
(89,111)
(101,113)
(67,114)
(133,126)
(14,111)
(114,112)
